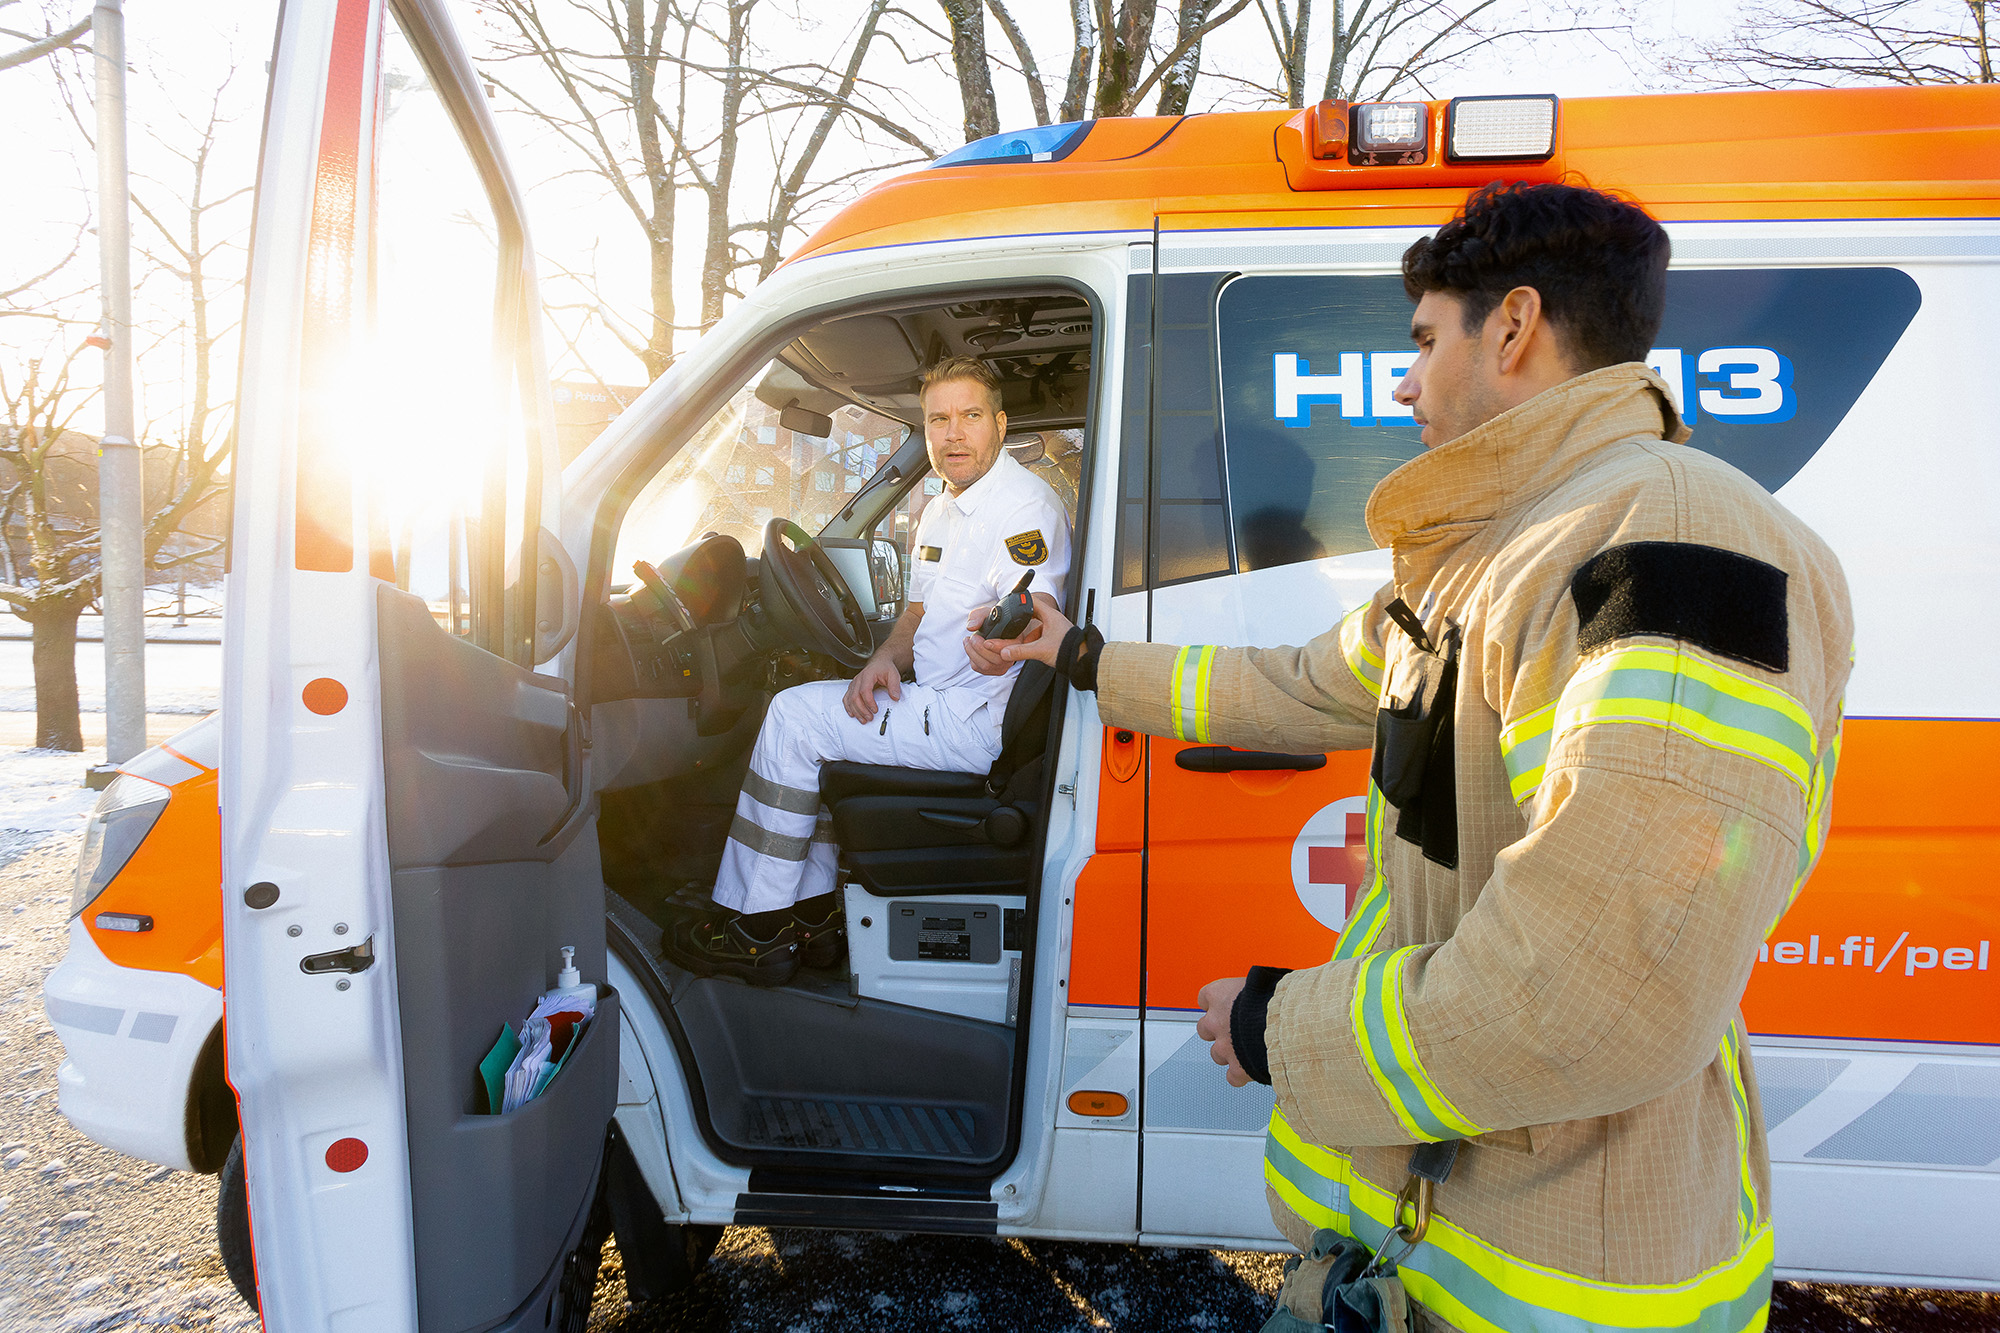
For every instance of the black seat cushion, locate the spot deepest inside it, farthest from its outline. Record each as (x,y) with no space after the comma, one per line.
(840,780)
(914,830)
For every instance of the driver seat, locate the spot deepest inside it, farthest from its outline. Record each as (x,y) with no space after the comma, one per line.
(914,830)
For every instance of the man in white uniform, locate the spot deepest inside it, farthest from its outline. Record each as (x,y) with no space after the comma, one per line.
(996,522)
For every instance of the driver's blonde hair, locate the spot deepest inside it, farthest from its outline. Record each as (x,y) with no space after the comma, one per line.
(962,368)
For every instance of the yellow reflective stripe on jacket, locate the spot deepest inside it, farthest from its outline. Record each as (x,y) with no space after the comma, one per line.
(1371,909)
(1362,660)
(1188,693)
(1819,815)
(1524,748)
(1663,687)
(1739,1105)
(1483,1289)
(1382,1034)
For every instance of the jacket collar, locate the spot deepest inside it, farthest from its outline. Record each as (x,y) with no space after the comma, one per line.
(1523,453)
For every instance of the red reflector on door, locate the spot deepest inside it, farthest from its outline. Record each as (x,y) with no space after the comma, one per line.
(344,1155)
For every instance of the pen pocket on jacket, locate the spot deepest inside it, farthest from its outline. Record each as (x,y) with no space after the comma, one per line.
(1414,766)
(1403,734)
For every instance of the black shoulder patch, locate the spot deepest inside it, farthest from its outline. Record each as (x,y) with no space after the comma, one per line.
(1723,601)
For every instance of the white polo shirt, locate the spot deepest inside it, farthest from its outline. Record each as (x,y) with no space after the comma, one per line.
(971,549)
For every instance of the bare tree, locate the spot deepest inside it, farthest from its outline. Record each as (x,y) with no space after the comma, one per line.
(42,43)
(47,517)
(968,57)
(1117,45)
(1288,32)
(199,234)
(1828,43)
(1381,49)
(657,97)
(796,187)
(612,109)
(1178,72)
(48,491)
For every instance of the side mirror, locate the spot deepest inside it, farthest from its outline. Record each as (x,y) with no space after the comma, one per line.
(558,599)
(805,421)
(885,570)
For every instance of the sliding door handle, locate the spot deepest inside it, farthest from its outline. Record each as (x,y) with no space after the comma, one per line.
(1225,759)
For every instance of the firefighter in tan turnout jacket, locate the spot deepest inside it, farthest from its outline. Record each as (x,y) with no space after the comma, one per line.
(1603,692)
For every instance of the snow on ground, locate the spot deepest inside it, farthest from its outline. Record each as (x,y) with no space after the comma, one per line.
(42,795)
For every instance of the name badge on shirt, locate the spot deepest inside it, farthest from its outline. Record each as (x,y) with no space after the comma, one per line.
(930,553)
(1028,548)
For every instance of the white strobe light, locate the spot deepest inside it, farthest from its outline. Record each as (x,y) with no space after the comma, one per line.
(1501,129)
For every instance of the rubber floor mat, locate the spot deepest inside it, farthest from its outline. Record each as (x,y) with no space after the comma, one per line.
(870,1127)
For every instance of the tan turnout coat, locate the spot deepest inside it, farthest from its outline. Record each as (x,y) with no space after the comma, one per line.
(1569,992)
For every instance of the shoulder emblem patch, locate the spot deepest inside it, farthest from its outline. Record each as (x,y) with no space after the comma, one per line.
(1028,548)
(1724,601)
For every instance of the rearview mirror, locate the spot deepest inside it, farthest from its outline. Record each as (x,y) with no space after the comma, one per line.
(805,421)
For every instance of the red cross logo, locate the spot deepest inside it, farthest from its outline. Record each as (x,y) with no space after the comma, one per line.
(1346,866)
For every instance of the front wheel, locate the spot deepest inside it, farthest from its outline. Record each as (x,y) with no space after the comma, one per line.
(232,1224)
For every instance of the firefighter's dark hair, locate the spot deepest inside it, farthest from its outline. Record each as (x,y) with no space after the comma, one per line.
(1599,262)
(962,368)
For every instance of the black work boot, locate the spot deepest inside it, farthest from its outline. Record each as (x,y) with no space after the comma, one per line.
(720,942)
(821,926)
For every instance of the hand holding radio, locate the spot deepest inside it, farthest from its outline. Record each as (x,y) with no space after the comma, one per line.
(1011,614)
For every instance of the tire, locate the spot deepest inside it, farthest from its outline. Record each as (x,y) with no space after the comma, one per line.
(232,1225)
(577,1289)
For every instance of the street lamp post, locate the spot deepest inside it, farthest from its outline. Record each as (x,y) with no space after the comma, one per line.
(120,478)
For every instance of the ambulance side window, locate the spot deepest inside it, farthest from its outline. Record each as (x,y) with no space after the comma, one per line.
(445,423)
(1190,527)
(1310,364)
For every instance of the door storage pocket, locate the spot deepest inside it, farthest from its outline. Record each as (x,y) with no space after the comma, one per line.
(495,1195)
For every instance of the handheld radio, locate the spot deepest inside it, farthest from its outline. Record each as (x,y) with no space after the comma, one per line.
(1012,613)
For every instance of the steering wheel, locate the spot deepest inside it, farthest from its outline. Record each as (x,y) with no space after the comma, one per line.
(815,598)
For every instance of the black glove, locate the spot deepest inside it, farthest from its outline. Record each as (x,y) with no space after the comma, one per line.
(1246,1020)
(1077,657)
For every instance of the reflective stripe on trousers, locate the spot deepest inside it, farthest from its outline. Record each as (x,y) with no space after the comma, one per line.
(1483,1289)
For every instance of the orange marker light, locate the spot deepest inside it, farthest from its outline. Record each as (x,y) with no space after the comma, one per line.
(324,696)
(1110,1104)
(1327,129)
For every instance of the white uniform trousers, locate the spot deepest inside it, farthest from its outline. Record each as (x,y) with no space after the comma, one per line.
(780,849)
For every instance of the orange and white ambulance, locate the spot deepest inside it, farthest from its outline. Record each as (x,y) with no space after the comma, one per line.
(459,735)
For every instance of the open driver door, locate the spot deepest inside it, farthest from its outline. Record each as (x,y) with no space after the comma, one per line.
(407,835)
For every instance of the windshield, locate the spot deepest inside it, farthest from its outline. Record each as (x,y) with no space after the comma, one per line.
(742,468)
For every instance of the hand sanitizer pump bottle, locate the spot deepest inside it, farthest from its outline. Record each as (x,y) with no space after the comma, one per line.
(570,984)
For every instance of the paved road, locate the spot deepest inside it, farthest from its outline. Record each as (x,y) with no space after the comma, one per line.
(90,1240)
(180,677)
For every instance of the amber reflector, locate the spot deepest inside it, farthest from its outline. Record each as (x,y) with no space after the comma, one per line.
(1098,1103)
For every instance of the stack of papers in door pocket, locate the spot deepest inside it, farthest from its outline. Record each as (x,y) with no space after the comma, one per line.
(537,1051)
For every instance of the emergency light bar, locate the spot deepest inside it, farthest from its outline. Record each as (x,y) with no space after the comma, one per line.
(1041,143)
(1500,129)
(1399,134)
